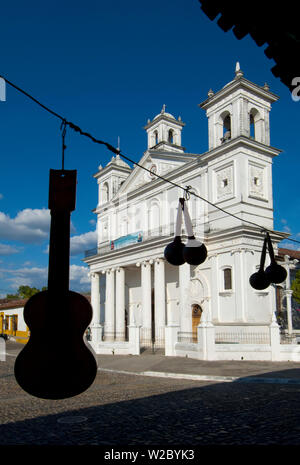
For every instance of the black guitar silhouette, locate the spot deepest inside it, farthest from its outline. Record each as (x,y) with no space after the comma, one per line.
(56,363)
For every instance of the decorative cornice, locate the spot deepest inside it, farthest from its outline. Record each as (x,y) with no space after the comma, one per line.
(112,167)
(232,144)
(236,84)
(164,117)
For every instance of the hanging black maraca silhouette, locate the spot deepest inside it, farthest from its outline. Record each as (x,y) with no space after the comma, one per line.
(275,273)
(260,280)
(174,251)
(194,252)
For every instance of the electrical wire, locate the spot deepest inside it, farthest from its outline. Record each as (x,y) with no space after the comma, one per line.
(117,151)
(187,190)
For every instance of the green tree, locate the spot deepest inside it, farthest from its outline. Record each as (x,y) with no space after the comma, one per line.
(24,292)
(295,286)
(12,296)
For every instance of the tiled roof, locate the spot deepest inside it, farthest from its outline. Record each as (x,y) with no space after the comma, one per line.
(289,252)
(6,304)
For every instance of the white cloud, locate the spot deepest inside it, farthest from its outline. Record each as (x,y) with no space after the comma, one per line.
(38,277)
(285,228)
(33,277)
(1,196)
(6,249)
(79,278)
(83,242)
(79,244)
(30,225)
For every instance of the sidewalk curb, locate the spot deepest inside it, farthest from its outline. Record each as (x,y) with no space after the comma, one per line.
(222,379)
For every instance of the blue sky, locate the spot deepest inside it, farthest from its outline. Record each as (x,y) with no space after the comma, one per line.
(108,67)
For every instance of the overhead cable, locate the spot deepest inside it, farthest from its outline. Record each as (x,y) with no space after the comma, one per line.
(117,151)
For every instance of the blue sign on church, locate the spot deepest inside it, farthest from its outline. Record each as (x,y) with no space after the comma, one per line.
(124,241)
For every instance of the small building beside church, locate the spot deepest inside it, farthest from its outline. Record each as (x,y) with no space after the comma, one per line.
(208,311)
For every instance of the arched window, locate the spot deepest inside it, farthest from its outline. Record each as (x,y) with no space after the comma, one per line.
(252,127)
(253,123)
(171,136)
(155,137)
(226,120)
(227,278)
(227,127)
(105,192)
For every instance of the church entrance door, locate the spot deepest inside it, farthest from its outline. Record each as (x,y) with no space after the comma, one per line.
(196,318)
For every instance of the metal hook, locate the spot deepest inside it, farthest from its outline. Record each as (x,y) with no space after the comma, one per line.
(187,195)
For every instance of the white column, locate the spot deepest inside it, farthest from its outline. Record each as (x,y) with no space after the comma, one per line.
(96,328)
(120,304)
(159,299)
(95,298)
(274,339)
(288,295)
(146,298)
(185,305)
(109,306)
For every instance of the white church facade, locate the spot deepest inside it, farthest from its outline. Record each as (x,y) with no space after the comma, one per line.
(208,311)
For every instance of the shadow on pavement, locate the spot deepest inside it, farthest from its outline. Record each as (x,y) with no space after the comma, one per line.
(210,414)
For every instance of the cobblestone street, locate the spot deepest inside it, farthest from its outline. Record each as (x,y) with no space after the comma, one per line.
(129,410)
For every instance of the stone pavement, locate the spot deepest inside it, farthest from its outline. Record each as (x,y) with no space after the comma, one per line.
(157,365)
(220,406)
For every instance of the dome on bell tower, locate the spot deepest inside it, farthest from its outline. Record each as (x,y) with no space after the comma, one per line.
(163,112)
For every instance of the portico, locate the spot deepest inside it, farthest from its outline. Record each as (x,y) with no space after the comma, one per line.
(134,294)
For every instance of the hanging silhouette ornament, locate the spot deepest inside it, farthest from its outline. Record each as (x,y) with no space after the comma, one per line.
(260,280)
(174,251)
(193,252)
(56,363)
(276,273)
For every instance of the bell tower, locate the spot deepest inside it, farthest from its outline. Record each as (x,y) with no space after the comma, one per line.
(240,156)
(164,132)
(241,108)
(110,178)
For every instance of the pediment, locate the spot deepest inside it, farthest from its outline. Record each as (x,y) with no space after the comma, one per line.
(161,164)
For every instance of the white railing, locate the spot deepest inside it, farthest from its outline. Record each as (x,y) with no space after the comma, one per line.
(242,338)
(165,230)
